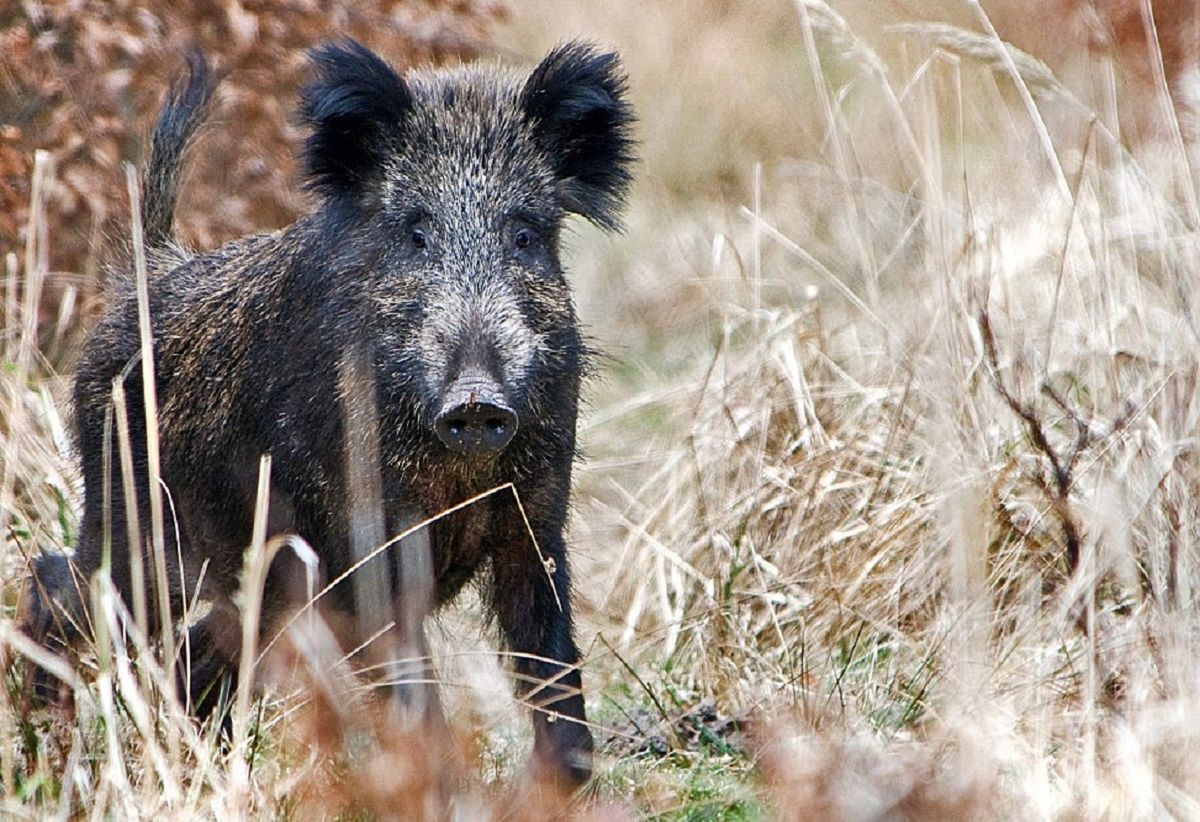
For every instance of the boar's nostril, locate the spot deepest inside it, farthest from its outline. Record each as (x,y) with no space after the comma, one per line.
(476,427)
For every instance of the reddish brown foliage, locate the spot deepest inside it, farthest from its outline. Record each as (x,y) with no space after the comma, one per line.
(1147,40)
(84,80)
(1126,25)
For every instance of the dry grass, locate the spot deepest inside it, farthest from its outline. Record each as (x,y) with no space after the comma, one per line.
(927,493)
(890,510)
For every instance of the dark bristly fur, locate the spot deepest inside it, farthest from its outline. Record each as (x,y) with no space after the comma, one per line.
(579,97)
(435,248)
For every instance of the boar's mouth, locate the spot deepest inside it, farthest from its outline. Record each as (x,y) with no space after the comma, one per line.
(475,419)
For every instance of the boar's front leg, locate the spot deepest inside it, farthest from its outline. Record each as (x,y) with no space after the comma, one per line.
(537,627)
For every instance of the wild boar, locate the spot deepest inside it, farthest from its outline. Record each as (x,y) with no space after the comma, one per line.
(432,256)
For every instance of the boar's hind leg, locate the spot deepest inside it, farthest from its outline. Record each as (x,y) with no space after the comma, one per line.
(206,674)
(208,671)
(537,626)
(52,615)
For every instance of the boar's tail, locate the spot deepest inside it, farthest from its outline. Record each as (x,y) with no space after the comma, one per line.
(185,109)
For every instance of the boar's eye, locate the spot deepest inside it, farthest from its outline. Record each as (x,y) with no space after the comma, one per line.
(526,239)
(416,231)
(523,238)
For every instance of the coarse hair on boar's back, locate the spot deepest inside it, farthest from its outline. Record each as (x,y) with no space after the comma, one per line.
(427,280)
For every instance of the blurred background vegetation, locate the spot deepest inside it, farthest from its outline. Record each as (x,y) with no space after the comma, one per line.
(889,509)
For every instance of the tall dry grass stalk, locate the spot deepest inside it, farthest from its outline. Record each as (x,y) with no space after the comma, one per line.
(158,552)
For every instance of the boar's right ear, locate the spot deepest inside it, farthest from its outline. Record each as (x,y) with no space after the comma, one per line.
(356,107)
(576,100)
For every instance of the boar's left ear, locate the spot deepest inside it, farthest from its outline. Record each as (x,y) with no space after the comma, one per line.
(576,101)
(356,107)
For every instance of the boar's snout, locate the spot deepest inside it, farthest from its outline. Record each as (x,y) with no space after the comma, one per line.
(475,418)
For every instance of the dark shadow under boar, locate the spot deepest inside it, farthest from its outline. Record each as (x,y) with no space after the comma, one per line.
(432,261)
